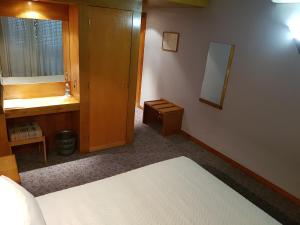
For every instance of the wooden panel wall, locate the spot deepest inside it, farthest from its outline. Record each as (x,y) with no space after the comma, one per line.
(37,90)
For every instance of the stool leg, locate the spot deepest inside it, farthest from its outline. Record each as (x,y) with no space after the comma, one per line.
(45,151)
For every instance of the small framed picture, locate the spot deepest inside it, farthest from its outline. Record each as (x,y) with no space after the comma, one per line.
(170,41)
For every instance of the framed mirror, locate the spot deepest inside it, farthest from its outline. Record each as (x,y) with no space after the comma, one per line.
(217,70)
(31,51)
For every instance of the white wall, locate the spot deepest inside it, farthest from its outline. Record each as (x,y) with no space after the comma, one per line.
(259,126)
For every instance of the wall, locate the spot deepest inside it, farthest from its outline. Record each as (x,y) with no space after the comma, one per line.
(259,126)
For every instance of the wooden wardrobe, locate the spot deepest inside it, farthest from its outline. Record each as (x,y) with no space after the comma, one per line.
(108,77)
(109,64)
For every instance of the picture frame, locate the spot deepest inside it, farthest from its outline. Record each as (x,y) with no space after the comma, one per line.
(170,41)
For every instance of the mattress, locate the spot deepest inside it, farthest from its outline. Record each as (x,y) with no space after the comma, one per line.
(172,192)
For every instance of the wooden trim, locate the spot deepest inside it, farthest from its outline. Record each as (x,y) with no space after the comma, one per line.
(104,147)
(74,51)
(228,70)
(247,171)
(141,59)
(33,9)
(133,78)
(66,50)
(211,103)
(37,90)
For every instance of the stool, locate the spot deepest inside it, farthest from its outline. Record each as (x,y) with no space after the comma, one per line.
(27,133)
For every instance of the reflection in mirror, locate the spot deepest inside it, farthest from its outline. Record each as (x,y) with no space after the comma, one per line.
(31,50)
(216,74)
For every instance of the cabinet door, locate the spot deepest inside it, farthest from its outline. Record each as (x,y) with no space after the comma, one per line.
(109,66)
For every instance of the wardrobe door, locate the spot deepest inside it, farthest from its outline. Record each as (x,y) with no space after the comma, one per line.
(109,65)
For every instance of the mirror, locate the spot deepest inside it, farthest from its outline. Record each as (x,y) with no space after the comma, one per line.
(216,74)
(31,51)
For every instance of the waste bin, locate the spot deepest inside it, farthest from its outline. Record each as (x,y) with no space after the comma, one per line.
(65,142)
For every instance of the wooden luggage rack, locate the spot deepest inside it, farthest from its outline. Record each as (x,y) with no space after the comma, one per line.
(169,114)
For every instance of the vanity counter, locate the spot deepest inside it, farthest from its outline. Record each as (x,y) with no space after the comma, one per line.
(15,108)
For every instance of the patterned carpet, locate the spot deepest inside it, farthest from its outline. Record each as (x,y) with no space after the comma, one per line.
(149,147)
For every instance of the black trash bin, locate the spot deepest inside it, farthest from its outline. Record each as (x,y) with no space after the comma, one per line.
(65,142)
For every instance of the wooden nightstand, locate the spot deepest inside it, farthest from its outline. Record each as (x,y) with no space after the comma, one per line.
(9,168)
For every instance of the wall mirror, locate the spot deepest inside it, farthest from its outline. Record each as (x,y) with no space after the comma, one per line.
(216,74)
(31,50)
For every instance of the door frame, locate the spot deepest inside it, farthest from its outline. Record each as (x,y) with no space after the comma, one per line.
(141,60)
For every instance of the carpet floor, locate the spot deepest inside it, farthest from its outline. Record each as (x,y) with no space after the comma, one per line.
(149,147)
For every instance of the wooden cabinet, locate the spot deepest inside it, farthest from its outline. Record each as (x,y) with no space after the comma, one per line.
(101,57)
(9,168)
(110,34)
(4,146)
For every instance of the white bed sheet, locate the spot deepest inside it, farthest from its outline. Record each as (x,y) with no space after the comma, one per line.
(173,192)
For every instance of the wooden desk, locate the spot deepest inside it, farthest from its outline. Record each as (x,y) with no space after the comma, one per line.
(53,114)
(16,108)
(9,168)
(166,112)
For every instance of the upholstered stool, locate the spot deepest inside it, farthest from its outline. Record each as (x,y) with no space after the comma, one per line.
(27,133)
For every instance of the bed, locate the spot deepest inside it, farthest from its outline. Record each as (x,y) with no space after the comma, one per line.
(172,192)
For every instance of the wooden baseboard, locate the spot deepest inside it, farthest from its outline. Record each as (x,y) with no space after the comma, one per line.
(247,171)
(108,146)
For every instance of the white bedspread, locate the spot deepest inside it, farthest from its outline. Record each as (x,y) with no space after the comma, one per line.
(173,192)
